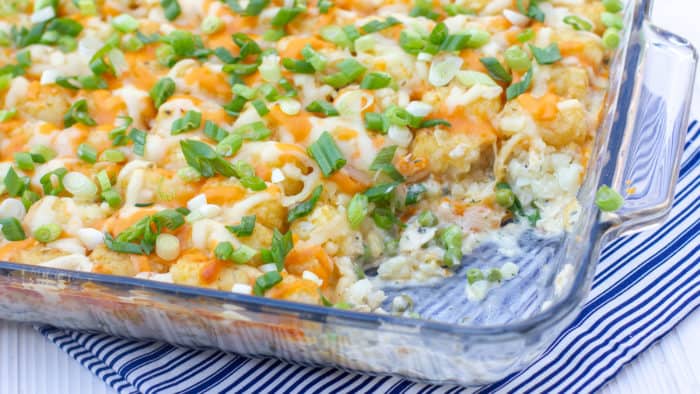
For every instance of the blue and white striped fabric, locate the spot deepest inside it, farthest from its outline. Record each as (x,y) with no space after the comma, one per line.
(645,285)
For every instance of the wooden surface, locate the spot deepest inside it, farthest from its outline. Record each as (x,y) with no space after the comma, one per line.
(30,364)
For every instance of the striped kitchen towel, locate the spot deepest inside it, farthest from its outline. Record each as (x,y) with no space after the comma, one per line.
(645,285)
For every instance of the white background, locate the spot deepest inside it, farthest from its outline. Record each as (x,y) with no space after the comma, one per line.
(30,364)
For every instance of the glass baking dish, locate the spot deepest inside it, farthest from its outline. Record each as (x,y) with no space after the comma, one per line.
(638,150)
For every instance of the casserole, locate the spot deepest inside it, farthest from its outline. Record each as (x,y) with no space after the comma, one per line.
(382,343)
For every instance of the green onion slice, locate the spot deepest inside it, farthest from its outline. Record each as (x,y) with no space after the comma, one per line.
(326,154)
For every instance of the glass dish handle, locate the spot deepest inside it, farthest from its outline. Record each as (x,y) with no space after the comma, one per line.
(649,155)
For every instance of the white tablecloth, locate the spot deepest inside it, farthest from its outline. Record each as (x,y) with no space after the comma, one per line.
(30,364)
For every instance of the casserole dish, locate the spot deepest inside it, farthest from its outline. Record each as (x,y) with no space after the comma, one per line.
(501,334)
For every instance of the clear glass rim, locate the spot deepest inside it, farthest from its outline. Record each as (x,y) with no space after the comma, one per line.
(638,12)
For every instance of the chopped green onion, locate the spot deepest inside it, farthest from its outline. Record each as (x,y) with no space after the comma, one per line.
(526,35)
(223,251)
(12,229)
(474,275)
(14,184)
(244,91)
(265,282)
(456,42)
(205,160)
(298,66)
(189,174)
(427,123)
(477,38)
(273,35)
(167,246)
(52,182)
(113,156)
(5,80)
(138,137)
(47,233)
(613,5)
(242,169)
(375,80)
(350,71)
(376,25)
(125,23)
(29,198)
(235,106)
(520,87)
(384,218)
(611,38)
(326,154)
(381,192)
(44,151)
(351,33)
(608,200)
(253,183)
(78,113)
(161,91)
(260,107)
(365,43)
(427,219)
(282,244)
(451,236)
(211,24)
(532,11)
(243,254)
(86,7)
(165,55)
(322,107)
(439,34)
(24,59)
(412,43)
(214,131)
(383,162)
(7,114)
(103,180)
(245,228)
(285,16)
(400,117)
(24,161)
(171,9)
(578,23)
(496,70)
(424,8)
(358,208)
(517,59)
(255,131)
(495,275)
(230,145)
(191,121)
(456,9)
(87,153)
(376,122)
(612,20)
(336,35)
(414,193)
(317,61)
(254,7)
(547,55)
(305,208)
